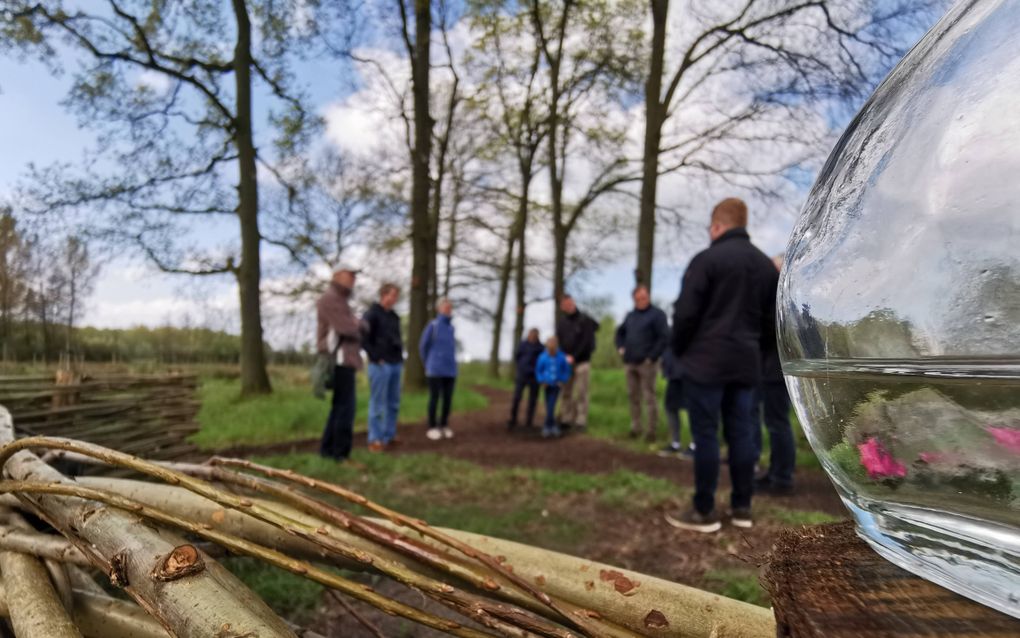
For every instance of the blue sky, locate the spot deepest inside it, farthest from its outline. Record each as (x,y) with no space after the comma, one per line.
(34,127)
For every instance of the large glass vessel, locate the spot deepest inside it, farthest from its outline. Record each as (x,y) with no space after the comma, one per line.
(900,309)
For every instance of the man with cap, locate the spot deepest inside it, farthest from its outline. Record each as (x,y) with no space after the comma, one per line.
(338,333)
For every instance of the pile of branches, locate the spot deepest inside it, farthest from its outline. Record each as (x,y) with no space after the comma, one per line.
(153,539)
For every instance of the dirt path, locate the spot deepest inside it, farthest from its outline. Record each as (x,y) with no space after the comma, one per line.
(482,437)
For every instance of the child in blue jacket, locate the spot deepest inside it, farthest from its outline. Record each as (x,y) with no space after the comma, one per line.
(551,370)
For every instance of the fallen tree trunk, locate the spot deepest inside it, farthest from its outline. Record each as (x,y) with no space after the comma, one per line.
(621,596)
(39,612)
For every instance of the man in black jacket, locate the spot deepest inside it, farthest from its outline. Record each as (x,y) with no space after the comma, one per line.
(385,349)
(641,339)
(525,357)
(575,332)
(723,318)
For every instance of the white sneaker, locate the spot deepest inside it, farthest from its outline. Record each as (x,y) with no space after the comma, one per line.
(447,433)
(434,434)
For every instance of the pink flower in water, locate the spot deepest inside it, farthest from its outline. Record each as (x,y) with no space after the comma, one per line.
(877,460)
(1007,437)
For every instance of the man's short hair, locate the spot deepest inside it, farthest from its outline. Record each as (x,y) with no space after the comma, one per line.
(731,211)
(566,296)
(637,288)
(387,288)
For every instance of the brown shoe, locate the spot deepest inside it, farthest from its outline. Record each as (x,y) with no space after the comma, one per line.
(394,442)
(376,446)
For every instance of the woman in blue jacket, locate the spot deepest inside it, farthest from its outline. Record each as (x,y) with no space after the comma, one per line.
(438,349)
(551,370)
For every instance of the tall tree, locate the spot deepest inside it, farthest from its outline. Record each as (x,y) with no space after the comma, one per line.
(423,233)
(76,275)
(507,59)
(588,57)
(175,112)
(14,264)
(745,82)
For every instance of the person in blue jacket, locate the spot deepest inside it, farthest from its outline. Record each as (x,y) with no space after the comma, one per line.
(551,370)
(438,349)
(525,358)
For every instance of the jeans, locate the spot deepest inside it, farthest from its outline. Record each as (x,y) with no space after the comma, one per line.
(775,408)
(734,403)
(440,387)
(552,392)
(520,385)
(336,437)
(383,401)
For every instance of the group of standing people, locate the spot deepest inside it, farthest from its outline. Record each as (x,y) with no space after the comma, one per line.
(341,337)
(720,362)
(719,358)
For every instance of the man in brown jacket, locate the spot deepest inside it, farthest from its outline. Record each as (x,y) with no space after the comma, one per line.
(338,333)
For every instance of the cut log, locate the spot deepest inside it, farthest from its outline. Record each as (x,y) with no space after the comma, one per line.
(825,582)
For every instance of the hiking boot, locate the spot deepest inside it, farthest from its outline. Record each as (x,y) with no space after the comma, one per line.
(688,453)
(650,437)
(447,433)
(394,442)
(551,432)
(511,424)
(376,446)
(634,434)
(434,434)
(694,521)
(672,450)
(741,517)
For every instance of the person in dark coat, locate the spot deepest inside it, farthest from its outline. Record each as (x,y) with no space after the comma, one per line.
(641,339)
(575,332)
(384,346)
(438,350)
(525,357)
(338,334)
(775,409)
(673,403)
(724,315)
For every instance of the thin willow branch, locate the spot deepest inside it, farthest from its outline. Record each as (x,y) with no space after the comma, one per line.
(241,546)
(130,551)
(477,608)
(366,623)
(421,527)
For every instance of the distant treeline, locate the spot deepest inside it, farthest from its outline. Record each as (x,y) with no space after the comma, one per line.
(162,345)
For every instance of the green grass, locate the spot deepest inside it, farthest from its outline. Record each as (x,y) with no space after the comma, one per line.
(525,505)
(739,584)
(288,594)
(291,412)
(799,517)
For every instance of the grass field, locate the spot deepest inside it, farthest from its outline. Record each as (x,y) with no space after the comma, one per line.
(291,412)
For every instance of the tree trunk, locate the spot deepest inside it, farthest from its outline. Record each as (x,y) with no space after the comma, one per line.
(423,245)
(254,379)
(520,267)
(497,319)
(655,115)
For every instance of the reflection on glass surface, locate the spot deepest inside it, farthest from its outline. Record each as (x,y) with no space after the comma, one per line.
(900,309)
